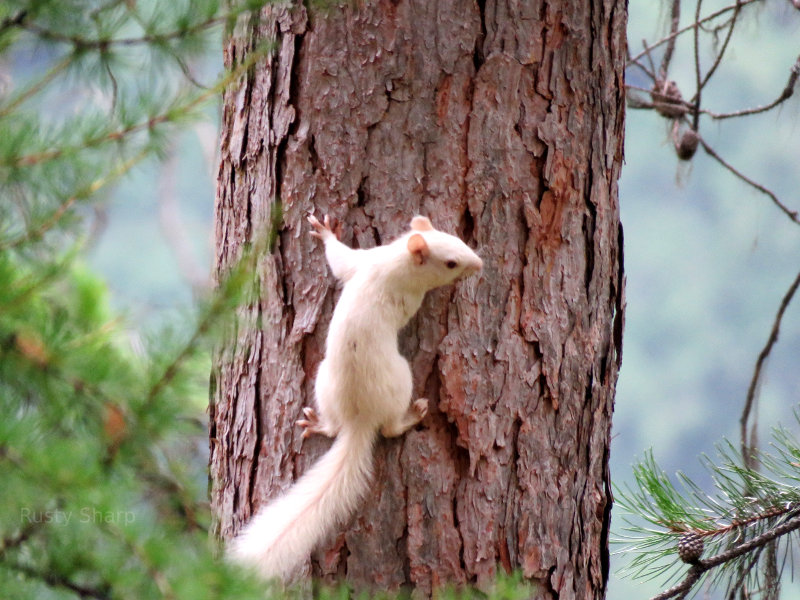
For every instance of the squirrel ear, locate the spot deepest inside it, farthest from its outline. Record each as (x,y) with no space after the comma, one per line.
(420,223)
(418,248)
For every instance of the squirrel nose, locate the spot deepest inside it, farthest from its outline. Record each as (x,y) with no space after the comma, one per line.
(474,266)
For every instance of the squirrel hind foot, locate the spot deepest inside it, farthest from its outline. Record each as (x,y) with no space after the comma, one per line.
(417,411)
(313,424)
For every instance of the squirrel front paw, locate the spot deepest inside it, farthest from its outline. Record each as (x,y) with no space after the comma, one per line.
(324,230)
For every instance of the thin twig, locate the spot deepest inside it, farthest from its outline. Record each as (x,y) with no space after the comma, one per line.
(787,93)
(792,214)
(697,570)
(698,77)
(675,18)
(718,58)
(762,357)
(683,30)
(650,60)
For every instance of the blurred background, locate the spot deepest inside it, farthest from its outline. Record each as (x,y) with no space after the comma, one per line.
(707,257)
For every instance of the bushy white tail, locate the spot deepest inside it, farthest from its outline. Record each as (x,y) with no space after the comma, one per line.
(283,533)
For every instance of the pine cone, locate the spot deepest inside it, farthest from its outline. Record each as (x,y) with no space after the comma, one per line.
(667,99)
(687,145)
(690,547)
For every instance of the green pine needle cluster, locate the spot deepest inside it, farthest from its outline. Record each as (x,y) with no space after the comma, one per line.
(101,496)
(746,504)
(96,88)
(102,442)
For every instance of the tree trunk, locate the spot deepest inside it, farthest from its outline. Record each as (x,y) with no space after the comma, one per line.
(503,122)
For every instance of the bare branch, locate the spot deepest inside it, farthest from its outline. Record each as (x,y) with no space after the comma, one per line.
(710,17)
(667,104)
(718,59)
(747,447)
(675,18)
(699,85)
(792,214)
(787,93)
(652,71)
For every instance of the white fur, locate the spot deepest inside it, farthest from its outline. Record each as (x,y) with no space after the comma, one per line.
(363,386)
(283,533)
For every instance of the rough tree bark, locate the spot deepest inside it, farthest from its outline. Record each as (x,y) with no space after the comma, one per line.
(502,121)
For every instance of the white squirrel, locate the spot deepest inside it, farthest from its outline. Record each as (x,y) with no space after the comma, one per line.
(363,387)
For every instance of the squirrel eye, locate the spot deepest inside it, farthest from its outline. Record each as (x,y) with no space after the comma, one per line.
(451,264)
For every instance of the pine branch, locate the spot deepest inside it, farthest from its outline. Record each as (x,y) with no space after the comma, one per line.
(12,21)
(215,310)
(147,124)
(83,43)
(36,87)
(104,138)
(55,580)
(746,503)
(20,538)
(146,560)
(36,233)
(53,219)
(698,569)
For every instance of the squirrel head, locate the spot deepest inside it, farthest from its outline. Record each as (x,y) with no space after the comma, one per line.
(438,258)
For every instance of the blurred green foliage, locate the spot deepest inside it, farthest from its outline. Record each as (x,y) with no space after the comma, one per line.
(103,438)
(101,496)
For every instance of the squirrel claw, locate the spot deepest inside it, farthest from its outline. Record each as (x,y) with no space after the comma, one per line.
(420,408)
(321,230)
(311,423)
